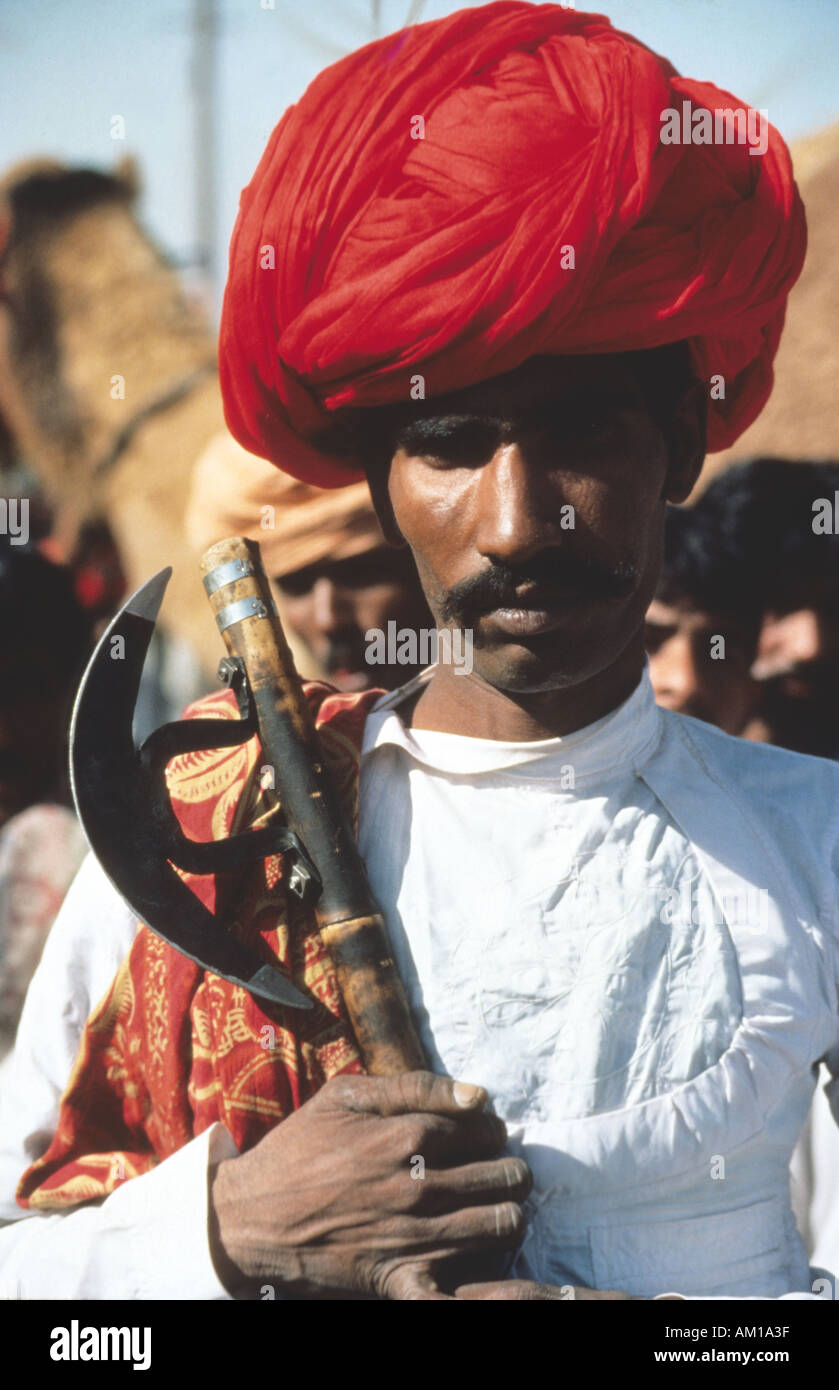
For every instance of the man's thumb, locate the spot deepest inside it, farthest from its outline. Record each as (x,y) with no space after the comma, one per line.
(415,1283)
(420,1092)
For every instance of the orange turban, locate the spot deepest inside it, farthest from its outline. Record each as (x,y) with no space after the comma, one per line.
(412,215)
(232,493)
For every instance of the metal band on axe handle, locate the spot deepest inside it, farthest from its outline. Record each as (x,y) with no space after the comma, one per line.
(348,917)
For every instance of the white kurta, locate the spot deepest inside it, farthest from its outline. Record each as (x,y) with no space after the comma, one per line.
(594,928)
(619,933)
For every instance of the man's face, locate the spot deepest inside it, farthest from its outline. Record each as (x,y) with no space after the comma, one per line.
(332,605)
(694,672)
(534,506)
(797,664)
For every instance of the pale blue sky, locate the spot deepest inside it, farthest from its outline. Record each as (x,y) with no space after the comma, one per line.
(68,66)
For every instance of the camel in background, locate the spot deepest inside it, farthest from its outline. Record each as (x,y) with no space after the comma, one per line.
(108,379)
(800,420)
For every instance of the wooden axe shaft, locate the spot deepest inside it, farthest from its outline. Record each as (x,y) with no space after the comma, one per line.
(350,922)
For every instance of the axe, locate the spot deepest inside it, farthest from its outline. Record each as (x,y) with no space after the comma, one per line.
(124,808)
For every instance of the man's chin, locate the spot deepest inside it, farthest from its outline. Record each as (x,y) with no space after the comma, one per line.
(350,682)
(519,670)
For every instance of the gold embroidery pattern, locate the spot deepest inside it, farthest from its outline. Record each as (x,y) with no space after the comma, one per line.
(170,1048)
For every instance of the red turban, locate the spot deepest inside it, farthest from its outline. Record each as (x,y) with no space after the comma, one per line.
(367,251)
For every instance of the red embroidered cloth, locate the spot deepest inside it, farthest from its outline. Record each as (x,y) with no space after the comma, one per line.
(172,1048)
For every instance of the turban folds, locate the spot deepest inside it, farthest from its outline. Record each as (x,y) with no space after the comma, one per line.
(363,256)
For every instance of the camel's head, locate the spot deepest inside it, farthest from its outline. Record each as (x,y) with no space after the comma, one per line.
(86,299)
(41,201)
(39,198)
(45,208)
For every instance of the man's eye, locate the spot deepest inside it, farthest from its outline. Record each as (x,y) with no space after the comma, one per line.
(296,585)
(575,428)
(464,446)
(590,426)
(366,571)
(655,636)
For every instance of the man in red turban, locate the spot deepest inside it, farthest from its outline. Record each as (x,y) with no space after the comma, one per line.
(475,265)
(448,202)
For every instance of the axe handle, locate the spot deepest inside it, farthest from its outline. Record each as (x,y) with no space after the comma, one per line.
(350,922)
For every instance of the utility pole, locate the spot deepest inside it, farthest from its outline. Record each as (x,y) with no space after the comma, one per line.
(205,94)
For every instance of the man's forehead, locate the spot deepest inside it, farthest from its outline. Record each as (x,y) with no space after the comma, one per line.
(534,383)
(793,591)
(684,614)
(384,559)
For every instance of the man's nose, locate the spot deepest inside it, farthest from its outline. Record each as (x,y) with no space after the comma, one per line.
(329,606)
(675,673)
(518,507)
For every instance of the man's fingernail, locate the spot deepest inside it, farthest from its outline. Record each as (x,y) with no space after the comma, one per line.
(466,1094)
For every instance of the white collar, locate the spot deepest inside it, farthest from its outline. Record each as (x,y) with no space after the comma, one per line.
(624,738)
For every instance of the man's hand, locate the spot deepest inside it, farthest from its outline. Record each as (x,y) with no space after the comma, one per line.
(331,1202)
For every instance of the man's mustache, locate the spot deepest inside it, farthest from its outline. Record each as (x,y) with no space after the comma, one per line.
(344,652)
(557,575)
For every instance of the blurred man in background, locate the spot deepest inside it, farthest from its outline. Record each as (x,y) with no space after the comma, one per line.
(789,541)
(755,562)
(703,625)
(336,578)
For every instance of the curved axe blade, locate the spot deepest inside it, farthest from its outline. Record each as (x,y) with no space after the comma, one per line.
(112,795)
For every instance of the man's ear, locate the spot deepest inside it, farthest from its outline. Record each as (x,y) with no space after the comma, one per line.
(377,480)
(686,434)
(127,171)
